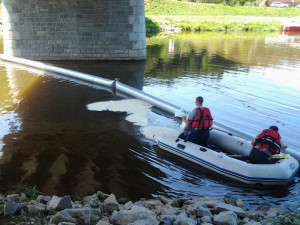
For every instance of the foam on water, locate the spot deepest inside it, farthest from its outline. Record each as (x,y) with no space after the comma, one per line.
(140,114)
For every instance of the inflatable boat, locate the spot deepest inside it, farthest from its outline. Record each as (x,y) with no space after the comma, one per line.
(232,160)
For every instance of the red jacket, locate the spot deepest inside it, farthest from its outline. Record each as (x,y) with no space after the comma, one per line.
(268,139)
(203,119)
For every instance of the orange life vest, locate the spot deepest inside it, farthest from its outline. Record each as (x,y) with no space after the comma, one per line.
(268,139)
(203,119)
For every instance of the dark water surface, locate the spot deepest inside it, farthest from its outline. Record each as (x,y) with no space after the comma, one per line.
(50,139)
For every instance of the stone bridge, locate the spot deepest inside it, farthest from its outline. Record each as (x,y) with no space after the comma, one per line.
(74,29)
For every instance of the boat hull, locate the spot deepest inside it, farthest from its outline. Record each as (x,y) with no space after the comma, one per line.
(295,28)
(278,174)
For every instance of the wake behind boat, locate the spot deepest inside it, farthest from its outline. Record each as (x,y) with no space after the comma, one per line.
(281,173)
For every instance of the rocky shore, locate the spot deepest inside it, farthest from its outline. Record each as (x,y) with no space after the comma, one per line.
(104,209)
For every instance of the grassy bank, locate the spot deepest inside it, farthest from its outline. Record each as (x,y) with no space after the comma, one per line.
(190,16)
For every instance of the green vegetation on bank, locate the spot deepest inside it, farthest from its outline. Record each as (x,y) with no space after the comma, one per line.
(191,16)
(179,8)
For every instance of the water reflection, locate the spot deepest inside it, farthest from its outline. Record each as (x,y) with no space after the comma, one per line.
(62,147)
(130,73)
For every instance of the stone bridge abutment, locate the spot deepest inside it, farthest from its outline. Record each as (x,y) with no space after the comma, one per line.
(74,29)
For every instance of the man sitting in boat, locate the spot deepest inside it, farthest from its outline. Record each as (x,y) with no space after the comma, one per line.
(199,121)
(266,144)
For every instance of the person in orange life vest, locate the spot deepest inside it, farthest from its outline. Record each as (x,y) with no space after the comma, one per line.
(199,121)
(266,144)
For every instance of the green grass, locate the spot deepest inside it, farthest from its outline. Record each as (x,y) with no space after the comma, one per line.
(190,16)
(180,8)
(211,23)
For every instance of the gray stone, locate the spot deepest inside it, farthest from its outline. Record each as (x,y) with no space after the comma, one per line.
(221,207)
(197,210)
(145,222)
(239,203)
(164,199)
(167,219)
(152,204)
(229,200)
(58,203)
(12,208)
(44,199)
(108,207)
(169,210)
(212,203)
(95,214)
(104,221)
(92,201)
(77,216)
(23,197)
(12,198)
(66,223)
(128,205)
(111,199)
(177,202)
(36,208)
(226,218)
(206,219)
(247,221)
(129,216)
(273,212)
(184,221)
(252,215)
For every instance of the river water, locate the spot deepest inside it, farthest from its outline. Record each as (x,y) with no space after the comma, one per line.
(52,137)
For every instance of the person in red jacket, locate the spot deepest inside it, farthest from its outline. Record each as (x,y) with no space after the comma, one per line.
(266,144)
(199,121)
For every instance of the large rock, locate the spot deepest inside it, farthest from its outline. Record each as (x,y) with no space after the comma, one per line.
(44,199)
(164,199)
(102,195)
(153,204)
(169,210)
(184,221)
(92,201)
(226,218)
(36,208)
(77,216)
(167,219)
(13,198)
(130,216)
(58,203)
(221,207)
(145,222)
(109,205)
(197,210)
(12,208)
(104,221)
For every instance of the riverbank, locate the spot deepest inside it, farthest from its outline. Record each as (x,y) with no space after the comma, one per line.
(213,23)
(103,209)
(166,15)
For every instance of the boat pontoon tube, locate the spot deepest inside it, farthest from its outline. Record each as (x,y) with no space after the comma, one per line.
(70,73)
(232,143)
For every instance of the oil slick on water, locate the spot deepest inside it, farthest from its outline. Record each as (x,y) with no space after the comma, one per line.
(140,114)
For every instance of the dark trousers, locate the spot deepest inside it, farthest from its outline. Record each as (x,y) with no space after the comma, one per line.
(199,137)
(259,157)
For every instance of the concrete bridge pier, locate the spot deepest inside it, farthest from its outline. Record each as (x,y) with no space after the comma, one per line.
(74,29)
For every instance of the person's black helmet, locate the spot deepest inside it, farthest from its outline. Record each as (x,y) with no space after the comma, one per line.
(274,128)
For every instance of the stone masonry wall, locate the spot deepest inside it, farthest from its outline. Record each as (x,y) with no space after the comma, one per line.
(74,29)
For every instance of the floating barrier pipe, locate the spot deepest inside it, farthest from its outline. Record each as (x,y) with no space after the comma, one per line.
(147,98)
(130,91)
(70,73)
